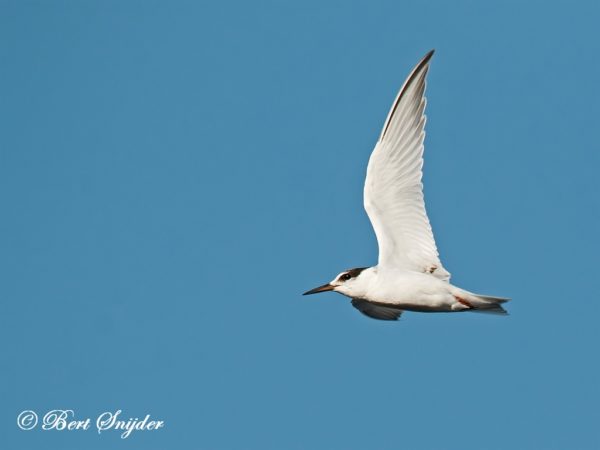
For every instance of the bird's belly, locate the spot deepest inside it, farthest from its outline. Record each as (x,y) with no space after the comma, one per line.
(424,306)
(421,295)
(431,303)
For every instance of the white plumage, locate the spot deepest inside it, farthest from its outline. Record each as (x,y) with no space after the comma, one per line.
(393,189)
(409,274)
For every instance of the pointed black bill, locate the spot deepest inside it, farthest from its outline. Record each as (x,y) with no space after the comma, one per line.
(324,288)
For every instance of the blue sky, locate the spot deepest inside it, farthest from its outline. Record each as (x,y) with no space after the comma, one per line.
(173,175)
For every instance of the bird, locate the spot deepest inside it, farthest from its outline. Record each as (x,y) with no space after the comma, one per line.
(409,275)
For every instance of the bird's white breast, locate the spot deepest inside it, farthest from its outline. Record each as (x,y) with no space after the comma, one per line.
(400,287)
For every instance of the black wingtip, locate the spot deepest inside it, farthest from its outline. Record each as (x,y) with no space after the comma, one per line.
(411,77)
(426,58)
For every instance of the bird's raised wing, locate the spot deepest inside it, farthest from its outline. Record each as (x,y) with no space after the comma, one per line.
(393,192)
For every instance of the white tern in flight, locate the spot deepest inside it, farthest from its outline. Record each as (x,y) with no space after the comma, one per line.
(409,275)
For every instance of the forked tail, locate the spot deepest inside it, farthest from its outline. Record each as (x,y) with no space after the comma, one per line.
(488,304)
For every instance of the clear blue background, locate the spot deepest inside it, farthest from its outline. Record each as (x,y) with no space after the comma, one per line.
(173,175)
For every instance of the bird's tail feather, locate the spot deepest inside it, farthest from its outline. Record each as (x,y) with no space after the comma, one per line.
(488,304)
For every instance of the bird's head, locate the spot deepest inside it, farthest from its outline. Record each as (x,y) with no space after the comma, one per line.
(350,283)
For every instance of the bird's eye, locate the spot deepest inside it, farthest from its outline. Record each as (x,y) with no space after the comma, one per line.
(345,277)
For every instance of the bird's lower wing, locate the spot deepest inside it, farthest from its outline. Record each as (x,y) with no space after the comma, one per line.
(376,311)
